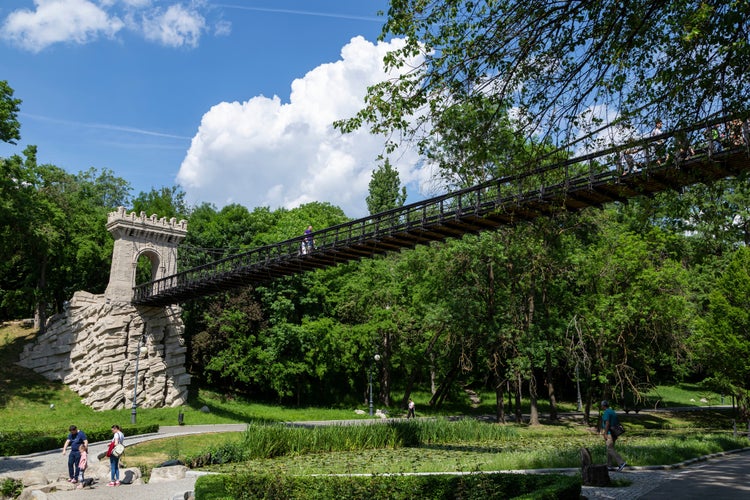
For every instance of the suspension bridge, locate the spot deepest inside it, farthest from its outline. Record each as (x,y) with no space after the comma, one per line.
(644,167)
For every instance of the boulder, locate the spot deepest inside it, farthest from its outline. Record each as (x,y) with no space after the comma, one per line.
(171,473)
(33,478)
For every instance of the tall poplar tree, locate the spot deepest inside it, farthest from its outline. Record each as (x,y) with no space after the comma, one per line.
(385,189)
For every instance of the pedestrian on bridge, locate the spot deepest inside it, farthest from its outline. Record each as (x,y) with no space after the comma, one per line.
(659,145)
(307,243)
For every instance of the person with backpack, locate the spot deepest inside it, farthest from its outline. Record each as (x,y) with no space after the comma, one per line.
(118,438)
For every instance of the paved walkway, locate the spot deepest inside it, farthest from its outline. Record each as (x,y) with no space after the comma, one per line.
(54,465)
(722,476)
(718,477)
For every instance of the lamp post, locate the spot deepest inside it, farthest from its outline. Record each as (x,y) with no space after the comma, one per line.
(375,358)
(141,350)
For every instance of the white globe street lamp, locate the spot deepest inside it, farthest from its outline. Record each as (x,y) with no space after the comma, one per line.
(375,359)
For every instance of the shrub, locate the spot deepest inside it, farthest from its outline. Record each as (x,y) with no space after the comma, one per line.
(11,488)
(24,442)
(465,487)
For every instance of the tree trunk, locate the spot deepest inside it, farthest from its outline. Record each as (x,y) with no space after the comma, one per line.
(385,371)
(437,399)
(534,410)
(551,389)
(510,396)
(519,389)
(587,410)
(499,403)
(40,314)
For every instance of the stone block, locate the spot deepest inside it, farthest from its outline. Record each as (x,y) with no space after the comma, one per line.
(171,473)
(33,477)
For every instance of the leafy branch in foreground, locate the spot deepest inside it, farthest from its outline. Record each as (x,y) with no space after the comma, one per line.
(554,61)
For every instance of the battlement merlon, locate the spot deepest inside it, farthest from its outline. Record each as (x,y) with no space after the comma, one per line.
(132,224)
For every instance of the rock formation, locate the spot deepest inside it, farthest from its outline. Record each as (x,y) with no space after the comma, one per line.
(93,346)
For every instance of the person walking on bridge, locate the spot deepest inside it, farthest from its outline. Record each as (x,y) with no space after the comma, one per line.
(307,243)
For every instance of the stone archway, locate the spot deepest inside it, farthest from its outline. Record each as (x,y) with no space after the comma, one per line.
(154,262)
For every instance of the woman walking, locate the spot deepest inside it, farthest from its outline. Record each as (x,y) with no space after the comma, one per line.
(114,461)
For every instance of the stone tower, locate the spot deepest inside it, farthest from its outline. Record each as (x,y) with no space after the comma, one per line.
(99,342)
(136,236)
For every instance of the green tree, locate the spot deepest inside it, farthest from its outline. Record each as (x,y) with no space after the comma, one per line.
(555,61)
(721,340)
(10,127)
(165,202)
(633,312)
(385,189)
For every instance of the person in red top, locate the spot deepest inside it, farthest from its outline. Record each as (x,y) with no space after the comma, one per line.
(114,462)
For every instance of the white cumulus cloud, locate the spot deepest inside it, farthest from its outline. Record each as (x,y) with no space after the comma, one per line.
(177,26)
(263,152)
(54,21)
(84,21)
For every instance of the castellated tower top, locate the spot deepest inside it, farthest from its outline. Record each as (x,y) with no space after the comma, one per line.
(121,220)
(136,236)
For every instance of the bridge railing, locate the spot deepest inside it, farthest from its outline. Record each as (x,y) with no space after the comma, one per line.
(539,182)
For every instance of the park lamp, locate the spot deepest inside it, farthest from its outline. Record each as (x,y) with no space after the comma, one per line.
(375,359)
(140,351)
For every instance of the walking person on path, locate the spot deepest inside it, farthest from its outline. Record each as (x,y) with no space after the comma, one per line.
(114,461)
(610,420)
(75,439)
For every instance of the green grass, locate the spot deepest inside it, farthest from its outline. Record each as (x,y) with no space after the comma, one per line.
(684,395)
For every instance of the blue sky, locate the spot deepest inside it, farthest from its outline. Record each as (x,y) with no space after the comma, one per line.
(232,100)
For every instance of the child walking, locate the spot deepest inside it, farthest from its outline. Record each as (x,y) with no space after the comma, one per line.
(82,463)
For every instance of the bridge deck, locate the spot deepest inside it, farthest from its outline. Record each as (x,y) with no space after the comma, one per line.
(487,206)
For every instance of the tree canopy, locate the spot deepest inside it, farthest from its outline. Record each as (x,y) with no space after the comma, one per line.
(561,65)
(10,127)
